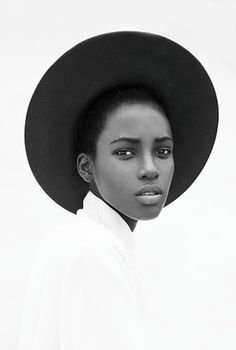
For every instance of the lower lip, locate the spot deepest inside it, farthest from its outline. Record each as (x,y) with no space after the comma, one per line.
(149,199)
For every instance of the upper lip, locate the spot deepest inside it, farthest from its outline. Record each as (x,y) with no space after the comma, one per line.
(149,188)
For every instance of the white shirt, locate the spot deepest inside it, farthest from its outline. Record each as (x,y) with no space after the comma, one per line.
(84,291)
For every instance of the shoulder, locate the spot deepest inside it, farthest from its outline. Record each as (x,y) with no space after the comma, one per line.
(81,242)
(71,237)
(97,271)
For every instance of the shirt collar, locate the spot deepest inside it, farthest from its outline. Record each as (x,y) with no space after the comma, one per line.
(102,213)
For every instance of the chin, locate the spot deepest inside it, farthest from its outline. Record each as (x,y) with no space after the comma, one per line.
(149,214)
(151,217)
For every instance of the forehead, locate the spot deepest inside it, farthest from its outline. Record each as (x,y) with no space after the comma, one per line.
(137,120)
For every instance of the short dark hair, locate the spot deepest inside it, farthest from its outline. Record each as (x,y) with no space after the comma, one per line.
(94,119)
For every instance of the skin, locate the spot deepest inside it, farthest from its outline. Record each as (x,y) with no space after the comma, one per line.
(122,168)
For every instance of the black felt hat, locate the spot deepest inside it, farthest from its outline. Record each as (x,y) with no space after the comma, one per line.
(99,64)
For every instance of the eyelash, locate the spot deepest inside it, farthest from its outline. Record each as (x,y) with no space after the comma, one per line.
(162,155)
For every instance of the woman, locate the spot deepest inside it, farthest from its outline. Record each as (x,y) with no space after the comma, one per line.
(114,127)
(131,125)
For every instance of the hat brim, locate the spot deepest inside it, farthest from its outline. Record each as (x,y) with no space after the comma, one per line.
(98,64)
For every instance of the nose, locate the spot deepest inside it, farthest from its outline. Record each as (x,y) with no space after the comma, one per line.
(148,169)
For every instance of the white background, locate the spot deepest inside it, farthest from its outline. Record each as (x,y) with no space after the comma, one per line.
(187,255)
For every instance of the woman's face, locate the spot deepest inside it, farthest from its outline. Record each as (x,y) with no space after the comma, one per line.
(134,164)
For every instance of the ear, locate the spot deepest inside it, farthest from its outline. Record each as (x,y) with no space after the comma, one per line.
(84,167)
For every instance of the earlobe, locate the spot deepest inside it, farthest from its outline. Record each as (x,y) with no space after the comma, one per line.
(84,167)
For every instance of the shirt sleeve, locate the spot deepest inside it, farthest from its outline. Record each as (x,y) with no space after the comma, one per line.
(98,309)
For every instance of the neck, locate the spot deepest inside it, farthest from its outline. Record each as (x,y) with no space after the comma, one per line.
(130,222)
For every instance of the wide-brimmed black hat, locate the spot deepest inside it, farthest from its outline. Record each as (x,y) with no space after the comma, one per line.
(97,65)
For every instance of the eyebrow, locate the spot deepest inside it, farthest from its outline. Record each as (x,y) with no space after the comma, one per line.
(137,141)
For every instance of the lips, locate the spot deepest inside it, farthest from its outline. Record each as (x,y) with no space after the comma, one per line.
(149,190)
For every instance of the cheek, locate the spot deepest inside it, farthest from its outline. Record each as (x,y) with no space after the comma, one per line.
(112,168)
(168,170)
(105,172)
(113,176)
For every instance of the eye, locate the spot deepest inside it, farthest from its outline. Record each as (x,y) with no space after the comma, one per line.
(124,152)
(163,152)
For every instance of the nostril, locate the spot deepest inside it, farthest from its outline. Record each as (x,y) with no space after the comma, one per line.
(148,168)
(149,174)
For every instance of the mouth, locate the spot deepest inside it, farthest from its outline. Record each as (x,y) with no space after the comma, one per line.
(150,194)
(149,190)
(149,198)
